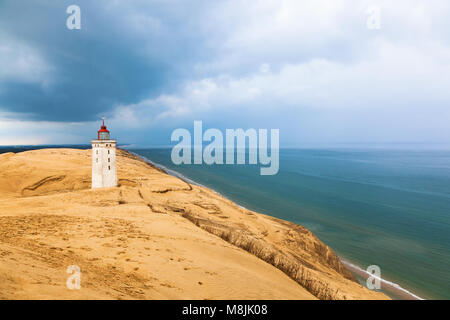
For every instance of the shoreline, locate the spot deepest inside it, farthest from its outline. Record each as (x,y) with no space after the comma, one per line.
(387,285)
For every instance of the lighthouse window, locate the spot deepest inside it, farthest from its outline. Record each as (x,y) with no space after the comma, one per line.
(104,135)
(96,159)
(109,167)
(108,151)
(109,159)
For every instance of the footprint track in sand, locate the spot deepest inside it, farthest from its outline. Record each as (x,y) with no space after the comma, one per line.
(19,232)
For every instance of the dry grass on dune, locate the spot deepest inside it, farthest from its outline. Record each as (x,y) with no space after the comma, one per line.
(275,257)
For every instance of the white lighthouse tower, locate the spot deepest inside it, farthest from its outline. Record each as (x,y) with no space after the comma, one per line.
(104,173)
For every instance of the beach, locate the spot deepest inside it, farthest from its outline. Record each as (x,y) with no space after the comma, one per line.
(153,237)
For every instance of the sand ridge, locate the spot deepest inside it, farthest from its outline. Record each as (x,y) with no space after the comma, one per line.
(153,237)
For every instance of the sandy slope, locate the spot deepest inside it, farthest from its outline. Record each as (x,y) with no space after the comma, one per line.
(154,237)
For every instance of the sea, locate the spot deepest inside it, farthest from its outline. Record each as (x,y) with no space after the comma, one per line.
(372,206)
(383,207)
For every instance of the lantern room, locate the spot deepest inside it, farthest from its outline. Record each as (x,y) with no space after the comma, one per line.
(103,133)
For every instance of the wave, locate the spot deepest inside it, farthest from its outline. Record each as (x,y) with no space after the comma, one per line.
(389,286)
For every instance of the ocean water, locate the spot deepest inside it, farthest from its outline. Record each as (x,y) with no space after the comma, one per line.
(389,208)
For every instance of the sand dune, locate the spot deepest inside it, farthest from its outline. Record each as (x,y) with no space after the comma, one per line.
(153,237)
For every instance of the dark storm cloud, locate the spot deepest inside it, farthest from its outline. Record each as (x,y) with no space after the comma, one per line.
(315,71)
(129,51)
(119,56)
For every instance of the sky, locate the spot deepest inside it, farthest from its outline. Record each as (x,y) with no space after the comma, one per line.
(323,72)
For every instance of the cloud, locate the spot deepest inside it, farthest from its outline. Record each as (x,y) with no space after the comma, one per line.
(21,63)
(92,69)
(396,77)
(311,68)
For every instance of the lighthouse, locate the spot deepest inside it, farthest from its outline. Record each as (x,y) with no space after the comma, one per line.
(104,173)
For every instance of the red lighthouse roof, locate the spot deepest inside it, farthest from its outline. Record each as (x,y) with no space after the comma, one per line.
(103,133)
